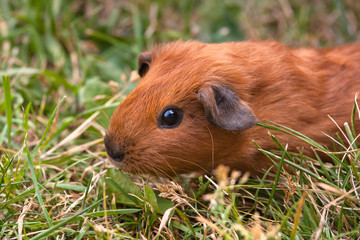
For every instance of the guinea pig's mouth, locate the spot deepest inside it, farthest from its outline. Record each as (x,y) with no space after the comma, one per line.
(121,165)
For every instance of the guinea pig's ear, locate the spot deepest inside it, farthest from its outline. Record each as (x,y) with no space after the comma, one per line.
(144,61)
(224,109)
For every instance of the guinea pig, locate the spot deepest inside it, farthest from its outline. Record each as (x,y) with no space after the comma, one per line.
(197,105)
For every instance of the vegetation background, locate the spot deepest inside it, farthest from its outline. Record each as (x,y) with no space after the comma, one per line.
(54,182)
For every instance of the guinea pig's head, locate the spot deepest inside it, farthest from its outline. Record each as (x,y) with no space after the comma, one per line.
(185,115)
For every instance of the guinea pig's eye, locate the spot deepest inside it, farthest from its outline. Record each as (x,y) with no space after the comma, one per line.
(170,117)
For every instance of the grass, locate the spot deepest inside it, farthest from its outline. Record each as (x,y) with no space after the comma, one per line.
(65,66)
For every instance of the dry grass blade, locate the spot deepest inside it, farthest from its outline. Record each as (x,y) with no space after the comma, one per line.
(164,220)
(20,221)
(82,128)
(95,180)
(298,215)
(213,226)
(76,149)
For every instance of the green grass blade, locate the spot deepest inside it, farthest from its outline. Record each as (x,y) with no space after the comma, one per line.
(55,227)
(50,122)
(21,196)
(26,117)
(339,5)
(292,133)
(3,135)
(8,107)
(87,191)
(112,212)
(73,187)
(4,170)
(36,184)
(277,177)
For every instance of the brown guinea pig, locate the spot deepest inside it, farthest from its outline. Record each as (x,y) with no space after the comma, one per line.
(197,105)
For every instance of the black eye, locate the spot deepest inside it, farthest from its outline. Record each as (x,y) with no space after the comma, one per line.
(170,117)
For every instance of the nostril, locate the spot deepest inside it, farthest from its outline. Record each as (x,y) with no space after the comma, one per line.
(115,154)
(118,157)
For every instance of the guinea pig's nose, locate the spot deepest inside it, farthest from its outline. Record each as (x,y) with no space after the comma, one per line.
(114,151)
(117,156)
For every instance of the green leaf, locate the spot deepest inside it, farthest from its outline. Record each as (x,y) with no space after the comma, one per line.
(92,88)
(186,221)
(164,204)
(119,184)
(150,197)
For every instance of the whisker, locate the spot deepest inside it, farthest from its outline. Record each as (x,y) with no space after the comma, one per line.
(162,172)
(149,166)
(172,169)
(190,162)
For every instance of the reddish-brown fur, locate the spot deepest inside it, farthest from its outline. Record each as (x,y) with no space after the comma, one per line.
(297,88)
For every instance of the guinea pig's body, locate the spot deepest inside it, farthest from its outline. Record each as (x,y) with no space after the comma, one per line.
(197,105)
